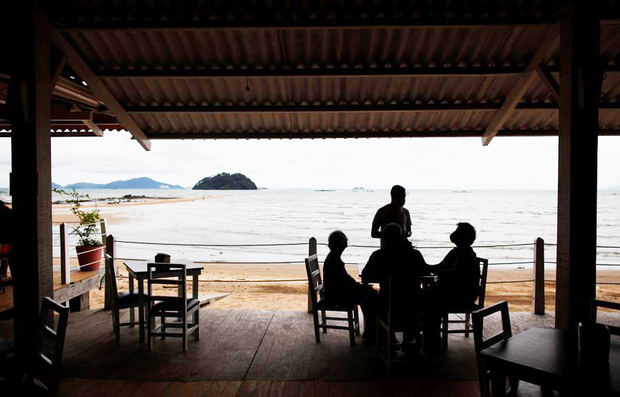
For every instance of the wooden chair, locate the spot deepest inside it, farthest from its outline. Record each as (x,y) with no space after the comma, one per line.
(614,330)
(466,311)
(123,300)
(315,286)
(47,374)
(389,323)
(480,343)
(163,306)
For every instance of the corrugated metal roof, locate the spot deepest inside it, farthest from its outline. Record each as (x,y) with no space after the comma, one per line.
(142,45)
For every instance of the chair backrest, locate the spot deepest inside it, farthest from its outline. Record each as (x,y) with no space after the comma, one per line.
(111,275)
(478,321)
(167,274)
(614,330)
(50,364)
(482,286)
(315,284)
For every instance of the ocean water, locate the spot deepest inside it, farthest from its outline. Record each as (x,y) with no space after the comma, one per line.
(237,218)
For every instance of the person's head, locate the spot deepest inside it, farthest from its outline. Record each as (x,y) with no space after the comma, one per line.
(398,195)
(464,235)
(337,241)
(392,235)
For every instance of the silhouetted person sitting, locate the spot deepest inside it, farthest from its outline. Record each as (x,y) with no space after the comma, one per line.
(404,265)
(394,212)
(340,287)
(458,272)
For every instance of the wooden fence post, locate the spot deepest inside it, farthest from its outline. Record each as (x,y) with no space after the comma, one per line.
(311,251)
(103,231)
(65,266)
(538,299)
(109,249)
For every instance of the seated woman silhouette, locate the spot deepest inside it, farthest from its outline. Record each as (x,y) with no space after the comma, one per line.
(458,272)
(340,287)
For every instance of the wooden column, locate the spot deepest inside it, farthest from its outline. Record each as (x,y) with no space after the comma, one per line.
(29,107)
(580,86)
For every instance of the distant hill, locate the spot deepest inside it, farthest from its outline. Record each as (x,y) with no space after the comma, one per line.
(56,186)
(225,181)
(135,183)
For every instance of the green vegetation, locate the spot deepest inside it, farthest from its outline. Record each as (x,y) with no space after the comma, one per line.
(89,220)
(225,181)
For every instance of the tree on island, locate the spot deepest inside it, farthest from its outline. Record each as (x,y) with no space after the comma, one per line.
(225,181)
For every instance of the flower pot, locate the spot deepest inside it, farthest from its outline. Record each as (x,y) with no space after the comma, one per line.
(89,256)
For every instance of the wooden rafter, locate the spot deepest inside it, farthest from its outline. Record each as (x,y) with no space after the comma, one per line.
(549,44)
(548,80)
(345,108)
(58,61)
(98,88)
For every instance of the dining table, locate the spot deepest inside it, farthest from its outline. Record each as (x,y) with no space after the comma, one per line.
(550,358)
(138,271)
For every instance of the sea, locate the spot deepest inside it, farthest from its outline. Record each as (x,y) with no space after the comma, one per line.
(274,226)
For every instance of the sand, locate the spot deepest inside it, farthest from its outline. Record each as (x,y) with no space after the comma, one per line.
(284,287)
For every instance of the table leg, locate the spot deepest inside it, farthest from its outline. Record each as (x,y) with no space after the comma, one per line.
(141,308)
(195,296)
(132,315)
(498,383)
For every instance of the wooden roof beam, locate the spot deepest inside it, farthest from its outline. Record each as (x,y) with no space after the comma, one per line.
(293,72)
(310,23)
(357,134)
(98,88)
(549,44)
(332,72)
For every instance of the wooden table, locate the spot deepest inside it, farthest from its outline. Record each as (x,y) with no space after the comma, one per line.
(547,357)
(139,270)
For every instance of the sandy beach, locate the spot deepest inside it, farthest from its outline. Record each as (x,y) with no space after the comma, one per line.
(284,287)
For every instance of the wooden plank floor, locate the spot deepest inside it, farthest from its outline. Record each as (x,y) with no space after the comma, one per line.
(244,352)
(276,388)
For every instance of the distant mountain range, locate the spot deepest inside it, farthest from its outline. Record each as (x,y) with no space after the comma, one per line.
(135,183)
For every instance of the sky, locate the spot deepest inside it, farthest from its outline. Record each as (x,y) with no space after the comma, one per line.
(416,163)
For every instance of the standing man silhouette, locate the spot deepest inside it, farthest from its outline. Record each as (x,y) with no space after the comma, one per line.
(394,212)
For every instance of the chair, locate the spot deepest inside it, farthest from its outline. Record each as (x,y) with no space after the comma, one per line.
(466,311)
(124,300)
(4,266)
(481,344)
(614,330)
(388,323)
(315,286)
(163,306)
(43,377)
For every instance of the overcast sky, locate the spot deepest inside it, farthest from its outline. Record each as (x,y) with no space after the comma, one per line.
(429,163)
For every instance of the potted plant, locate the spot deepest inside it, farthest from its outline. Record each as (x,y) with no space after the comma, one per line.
(89,246)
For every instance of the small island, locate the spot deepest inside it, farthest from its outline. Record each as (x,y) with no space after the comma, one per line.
(225,181)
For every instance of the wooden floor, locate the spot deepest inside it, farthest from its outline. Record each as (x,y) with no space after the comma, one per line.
(243,352)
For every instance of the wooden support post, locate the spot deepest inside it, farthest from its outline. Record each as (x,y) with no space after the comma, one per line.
(65,265)
(311,251)
(80,303)
(538,299)
(102,229)
(580,88)
(109,249)
(29,105)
